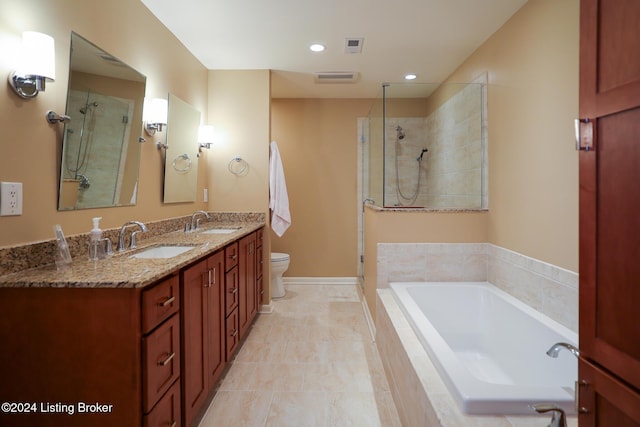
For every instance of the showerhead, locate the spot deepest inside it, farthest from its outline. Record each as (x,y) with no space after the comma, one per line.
(84,109)
(400,132)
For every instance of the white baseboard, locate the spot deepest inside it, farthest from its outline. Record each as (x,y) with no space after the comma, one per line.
(320,280)
(266,308)
(367,315)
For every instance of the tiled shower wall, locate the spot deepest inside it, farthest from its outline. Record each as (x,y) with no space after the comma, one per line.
(454,161)
(550,290)
(451,173)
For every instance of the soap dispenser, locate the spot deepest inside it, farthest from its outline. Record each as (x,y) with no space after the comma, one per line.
(96,245)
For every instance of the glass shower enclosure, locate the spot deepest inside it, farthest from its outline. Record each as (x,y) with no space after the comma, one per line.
(426,147)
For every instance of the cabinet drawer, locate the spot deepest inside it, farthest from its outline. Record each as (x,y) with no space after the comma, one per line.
(230,256)
(160,302)
(167,410)
(233,333)
(259,261)
(231,294)
(259,292)
(160,361)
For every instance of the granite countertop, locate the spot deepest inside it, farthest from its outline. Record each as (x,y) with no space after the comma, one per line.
(123,271)
(421,209)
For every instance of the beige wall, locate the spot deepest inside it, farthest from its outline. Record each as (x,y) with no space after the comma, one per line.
(239,110)
(30,147)
(317,140)
(532,65)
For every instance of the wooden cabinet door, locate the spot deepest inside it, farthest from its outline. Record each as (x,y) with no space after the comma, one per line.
(215,318)
(609,195)
(194,339)
(247,274)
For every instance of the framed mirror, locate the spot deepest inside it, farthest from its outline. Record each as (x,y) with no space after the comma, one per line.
(100,147)
(181,161)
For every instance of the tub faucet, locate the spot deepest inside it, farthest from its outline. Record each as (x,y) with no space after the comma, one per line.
(196,223)
(558,419)
(132,243)
(555,349)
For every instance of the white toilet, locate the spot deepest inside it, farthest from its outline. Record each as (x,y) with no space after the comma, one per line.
(279,264)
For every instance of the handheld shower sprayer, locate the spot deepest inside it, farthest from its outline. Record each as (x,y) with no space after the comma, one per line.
(400,132)
(419,158)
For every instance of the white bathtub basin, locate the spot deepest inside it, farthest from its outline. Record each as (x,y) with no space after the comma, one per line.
(489,348)
(162,251)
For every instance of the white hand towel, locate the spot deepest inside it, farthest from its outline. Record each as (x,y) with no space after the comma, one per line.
(278,197)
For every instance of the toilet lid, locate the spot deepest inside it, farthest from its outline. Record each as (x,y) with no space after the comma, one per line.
(277,256)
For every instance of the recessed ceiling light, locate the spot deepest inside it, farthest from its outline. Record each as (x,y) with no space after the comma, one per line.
(317,47)
(410,77)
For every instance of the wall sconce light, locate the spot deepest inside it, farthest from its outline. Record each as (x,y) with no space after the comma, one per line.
(37,65)
(155,112)
(205,137)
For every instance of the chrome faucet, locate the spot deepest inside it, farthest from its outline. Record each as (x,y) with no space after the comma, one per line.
(555,349)
(132,243)
(558,419)
(196,223)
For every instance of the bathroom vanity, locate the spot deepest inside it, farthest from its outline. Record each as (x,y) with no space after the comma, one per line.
(128,341)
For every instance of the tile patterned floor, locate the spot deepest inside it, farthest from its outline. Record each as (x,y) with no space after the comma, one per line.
(310,363)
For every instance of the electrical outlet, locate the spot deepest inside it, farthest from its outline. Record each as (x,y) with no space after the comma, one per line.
(10,198)
(206,195)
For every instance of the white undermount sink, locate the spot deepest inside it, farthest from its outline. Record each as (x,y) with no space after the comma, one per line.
(221,230)
(162,251)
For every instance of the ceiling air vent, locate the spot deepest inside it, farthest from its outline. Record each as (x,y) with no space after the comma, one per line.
(353,45)
(336,77)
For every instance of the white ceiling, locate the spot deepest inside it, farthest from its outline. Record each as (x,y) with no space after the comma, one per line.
(430,38)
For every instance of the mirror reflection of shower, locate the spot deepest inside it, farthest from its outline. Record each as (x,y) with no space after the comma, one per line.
(78,168)
(95,146)
(88,107)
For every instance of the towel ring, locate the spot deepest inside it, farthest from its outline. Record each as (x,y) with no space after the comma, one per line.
(237,165)
(187,166)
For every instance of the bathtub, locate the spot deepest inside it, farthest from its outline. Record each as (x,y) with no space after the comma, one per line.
(489,348)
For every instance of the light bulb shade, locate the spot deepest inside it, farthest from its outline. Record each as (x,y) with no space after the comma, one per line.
(38,56)
(205,134)
(155,111)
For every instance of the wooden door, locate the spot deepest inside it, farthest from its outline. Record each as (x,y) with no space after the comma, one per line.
(609,197)
(610,402)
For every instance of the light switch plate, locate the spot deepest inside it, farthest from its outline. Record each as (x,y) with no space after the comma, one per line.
(10,198)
